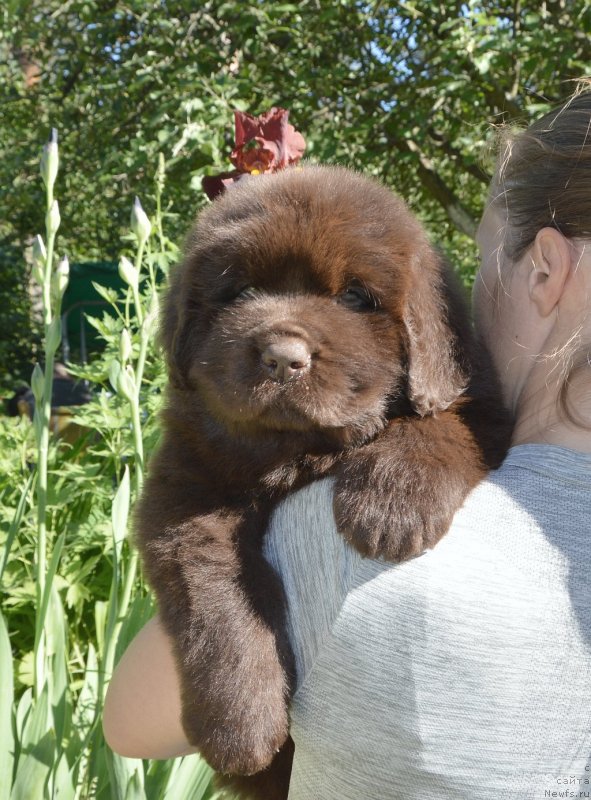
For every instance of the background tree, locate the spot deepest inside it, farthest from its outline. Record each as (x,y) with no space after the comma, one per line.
(405,91)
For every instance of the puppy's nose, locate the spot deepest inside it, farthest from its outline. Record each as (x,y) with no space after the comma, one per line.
(286,359)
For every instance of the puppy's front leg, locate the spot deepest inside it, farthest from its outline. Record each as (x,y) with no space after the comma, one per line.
(223,606)
(397,495)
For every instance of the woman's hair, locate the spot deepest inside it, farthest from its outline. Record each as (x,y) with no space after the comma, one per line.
(543,179)
(543,176)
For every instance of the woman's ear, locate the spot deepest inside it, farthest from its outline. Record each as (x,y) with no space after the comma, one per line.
(551,254)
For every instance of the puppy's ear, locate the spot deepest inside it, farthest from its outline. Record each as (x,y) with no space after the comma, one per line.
(437,347)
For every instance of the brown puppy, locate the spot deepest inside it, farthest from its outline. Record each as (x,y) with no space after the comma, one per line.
(310,330)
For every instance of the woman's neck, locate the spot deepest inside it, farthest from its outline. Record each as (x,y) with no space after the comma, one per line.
(544,417)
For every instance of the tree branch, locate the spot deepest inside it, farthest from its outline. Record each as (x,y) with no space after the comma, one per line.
(437,188)
(498,100)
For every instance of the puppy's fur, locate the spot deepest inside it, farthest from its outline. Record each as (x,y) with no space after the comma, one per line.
(310,330)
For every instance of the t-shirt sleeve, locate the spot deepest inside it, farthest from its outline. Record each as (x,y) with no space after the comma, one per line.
(316,567)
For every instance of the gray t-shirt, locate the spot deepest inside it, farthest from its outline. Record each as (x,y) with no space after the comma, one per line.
(462,673)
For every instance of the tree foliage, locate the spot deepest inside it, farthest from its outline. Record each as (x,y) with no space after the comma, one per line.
(406,91)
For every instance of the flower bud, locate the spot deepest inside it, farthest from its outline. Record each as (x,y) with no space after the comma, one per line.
(54,335)
(60,279)
(39,258)
(140,224)
(125,346)
(52,218)
(37,383)
(63,268)
(126,383)
(37,273)
(128,272)
(160,173)
(39,252)
(50,160)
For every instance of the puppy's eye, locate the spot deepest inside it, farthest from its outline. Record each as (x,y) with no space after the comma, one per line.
(232,294)
(358,298)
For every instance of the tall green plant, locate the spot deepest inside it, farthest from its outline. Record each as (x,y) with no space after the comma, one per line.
(53,284)
(67,570)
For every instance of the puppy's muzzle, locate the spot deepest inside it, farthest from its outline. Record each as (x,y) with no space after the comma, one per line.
(286,358)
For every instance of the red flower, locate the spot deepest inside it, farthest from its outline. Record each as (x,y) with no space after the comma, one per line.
(262,144)
(266,143)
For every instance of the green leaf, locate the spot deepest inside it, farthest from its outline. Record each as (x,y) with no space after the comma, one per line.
(107,326)
(38,752)
(16,521)
(110,295)
(84,713)
(120,512)
(127,777)
(23,710)
(189,780)
(57,652)
(100,620)
(63,784)
(51,572)
(482,62)
(140,611)
(6,702)
(25,670)
(135,787)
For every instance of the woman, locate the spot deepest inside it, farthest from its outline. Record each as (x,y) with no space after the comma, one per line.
(465,672)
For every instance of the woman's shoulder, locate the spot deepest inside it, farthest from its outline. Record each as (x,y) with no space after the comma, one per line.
(314,563)
(536,481)
(520,529)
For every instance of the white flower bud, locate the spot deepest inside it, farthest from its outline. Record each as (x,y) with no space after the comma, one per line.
(39,252)
(50,160)
(60,279)
(140,224)
(37,383)
(126,383)
(160,173)
(39,258)
(63,268)
(52,218)
(38,274)
(125,346)
(54,334)
(128,272)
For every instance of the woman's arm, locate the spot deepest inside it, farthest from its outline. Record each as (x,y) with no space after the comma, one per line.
(142,711)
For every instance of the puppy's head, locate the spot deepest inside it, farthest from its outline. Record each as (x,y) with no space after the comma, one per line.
(310,299)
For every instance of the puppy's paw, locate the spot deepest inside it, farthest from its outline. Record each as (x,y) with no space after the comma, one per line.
(389,507)
(243,743)
(373,523)
(235,710)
